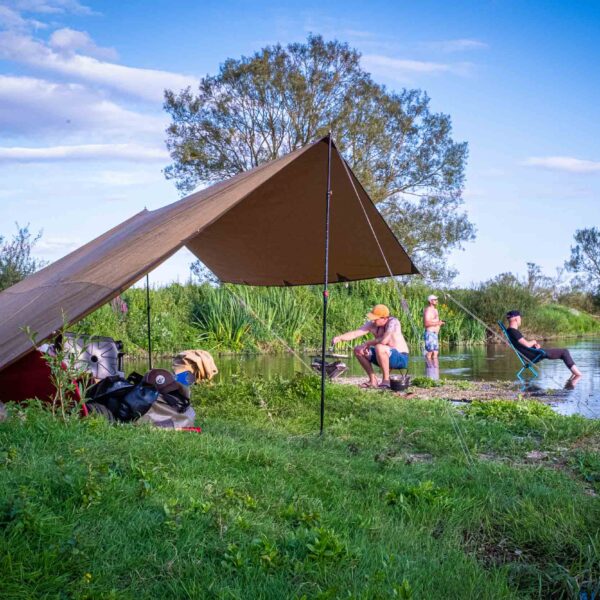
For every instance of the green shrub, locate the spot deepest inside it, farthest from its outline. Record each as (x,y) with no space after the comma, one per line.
(491,300)
(518,415)
(426,382)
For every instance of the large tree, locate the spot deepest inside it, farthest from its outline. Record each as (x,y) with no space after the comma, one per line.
(585,258)
(260,107)
(16,261)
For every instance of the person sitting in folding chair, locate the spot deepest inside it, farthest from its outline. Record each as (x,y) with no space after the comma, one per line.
(531,350)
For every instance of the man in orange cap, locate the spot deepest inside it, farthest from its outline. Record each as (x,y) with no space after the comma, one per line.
(388,350)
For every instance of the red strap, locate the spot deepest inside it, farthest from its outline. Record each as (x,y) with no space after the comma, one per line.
(195,429)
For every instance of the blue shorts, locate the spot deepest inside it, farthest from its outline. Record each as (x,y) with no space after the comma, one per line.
(432,343)
(398,360)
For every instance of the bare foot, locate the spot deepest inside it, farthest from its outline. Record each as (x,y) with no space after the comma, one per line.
(572,381)
(576,372)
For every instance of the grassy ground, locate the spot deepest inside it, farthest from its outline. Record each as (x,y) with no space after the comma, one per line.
(399,499)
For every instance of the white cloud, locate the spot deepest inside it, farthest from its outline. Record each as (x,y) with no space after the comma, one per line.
(134,152)
(564,163)
(69,40)
(56,245)
(11,19)
(460,45)
(357,34)
(130,177)
(51,7)
(405,69)
(29,105)
(147,84)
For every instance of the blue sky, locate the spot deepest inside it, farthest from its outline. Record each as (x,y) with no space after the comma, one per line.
(82,125)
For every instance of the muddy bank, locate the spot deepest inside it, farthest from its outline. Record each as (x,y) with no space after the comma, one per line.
(465,391)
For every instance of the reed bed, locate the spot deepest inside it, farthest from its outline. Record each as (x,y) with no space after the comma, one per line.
(231,318)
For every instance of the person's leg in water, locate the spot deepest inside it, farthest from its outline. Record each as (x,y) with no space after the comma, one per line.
(365,363)
(432,370)
(383,360)
(428,353)
(565,356)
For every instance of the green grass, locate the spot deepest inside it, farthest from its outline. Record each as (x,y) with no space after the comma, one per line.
(390,503)
(552,318)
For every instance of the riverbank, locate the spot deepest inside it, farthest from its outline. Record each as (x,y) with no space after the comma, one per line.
(568,398)
(497,499)
(424,388)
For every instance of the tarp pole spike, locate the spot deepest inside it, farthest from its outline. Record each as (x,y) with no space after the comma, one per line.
(325,282)
(148,321)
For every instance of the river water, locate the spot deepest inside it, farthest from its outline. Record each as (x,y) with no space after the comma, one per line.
(482,363)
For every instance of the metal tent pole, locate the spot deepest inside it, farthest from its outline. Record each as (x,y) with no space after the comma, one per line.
(148,321)
(326,281)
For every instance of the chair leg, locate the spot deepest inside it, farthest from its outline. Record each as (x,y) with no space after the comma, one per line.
(521,373)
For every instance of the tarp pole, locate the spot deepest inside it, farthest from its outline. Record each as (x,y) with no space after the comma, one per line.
(148,321)
(325,282)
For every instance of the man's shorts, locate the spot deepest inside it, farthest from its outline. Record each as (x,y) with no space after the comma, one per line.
(432,343)
(398,360)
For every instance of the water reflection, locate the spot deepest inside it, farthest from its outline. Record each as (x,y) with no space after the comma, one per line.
(432,370)
(488,363)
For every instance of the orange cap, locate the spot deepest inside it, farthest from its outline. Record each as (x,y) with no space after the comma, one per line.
(379,311)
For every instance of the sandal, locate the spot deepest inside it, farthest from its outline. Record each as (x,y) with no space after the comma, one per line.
(367,385)
(384,386)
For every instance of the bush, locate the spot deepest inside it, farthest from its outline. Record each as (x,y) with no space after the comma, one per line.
(519,416)
(491,300)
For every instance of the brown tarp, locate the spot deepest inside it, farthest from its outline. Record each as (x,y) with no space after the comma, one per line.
(261,227)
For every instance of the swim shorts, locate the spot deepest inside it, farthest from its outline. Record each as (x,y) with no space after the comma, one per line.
(398,360)
(432,343)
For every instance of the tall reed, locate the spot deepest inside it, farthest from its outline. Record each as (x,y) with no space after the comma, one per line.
(253,319)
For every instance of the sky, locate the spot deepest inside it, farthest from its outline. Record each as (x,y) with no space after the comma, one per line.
(82,127)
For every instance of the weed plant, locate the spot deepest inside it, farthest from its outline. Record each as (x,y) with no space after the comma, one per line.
(389,503)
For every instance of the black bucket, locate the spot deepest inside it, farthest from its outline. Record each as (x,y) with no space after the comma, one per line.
(399,383)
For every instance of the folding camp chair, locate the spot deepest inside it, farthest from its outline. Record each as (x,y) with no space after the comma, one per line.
(526,363)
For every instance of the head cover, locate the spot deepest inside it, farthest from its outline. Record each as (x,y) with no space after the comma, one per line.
(431,297)
(380,311)
(164,381)
(511,314)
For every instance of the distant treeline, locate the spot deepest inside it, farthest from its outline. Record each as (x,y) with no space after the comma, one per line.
(229,318)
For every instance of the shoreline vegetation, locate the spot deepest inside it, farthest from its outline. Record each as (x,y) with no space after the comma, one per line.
(497,499)
(232,319)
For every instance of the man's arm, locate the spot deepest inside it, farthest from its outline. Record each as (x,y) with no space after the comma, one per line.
(349,335)
(531,344)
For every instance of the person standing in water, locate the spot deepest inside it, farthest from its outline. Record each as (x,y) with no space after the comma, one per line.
(432,324)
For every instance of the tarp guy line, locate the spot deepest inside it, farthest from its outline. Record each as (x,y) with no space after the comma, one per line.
(455,424)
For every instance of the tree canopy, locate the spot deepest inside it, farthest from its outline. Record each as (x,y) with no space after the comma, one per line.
(16,261)
(585,258)
(261,107)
